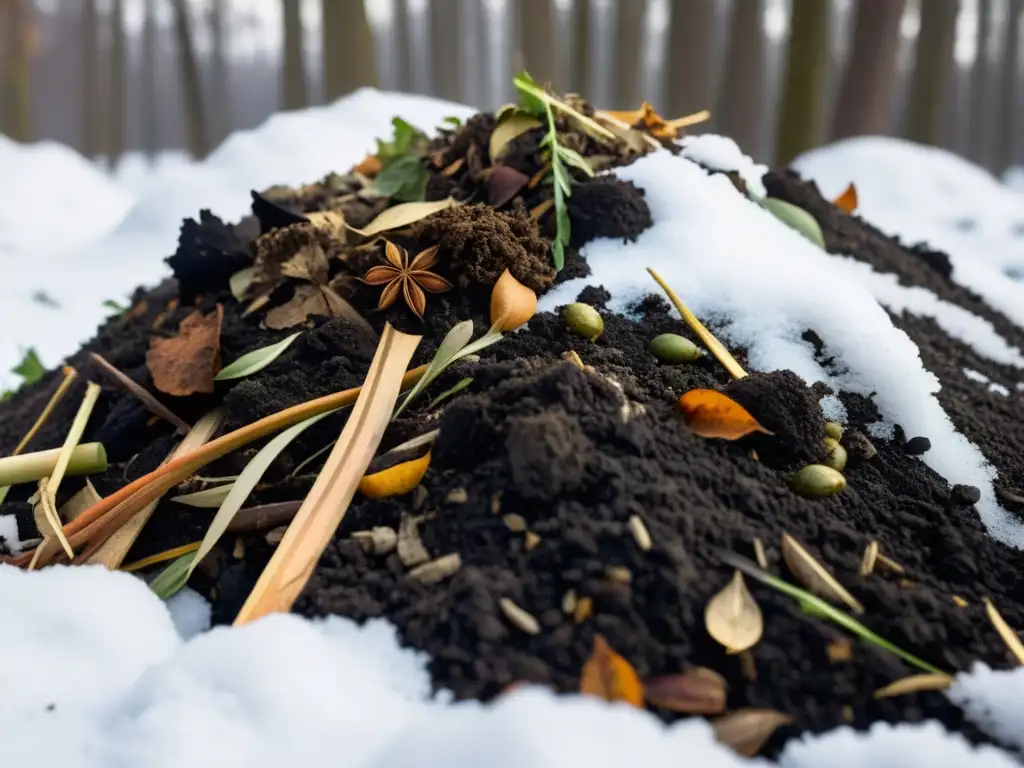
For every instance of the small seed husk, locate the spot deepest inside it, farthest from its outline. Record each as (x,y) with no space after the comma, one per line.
(867,565)
(569,601)
(515,523)
(813,575)
(834,430)
(934,681)
(619,573)
(816,481)
(379,540)
(519,617)
(640,533)
(890,565)
(410,548)
(673,349)
(960,602)
(457,496)
(436,570)
(584,608)
(747,730)
(733,618)
(584,320)
(531,540)
(760,555)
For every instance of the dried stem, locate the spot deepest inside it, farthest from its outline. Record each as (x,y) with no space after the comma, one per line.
(69,378)
(144,395)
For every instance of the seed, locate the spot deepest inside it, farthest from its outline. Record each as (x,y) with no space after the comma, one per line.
(760,555)
(960,602)
(569,601)
(831,442)
(619,573)
(834,430)
(514,523)
(584,320)
(531,540)
(584,607)
(836,458)
(519,617)
(379,540)
(640,534)
(457,496)
(674,349)
(816,481)
(436,570)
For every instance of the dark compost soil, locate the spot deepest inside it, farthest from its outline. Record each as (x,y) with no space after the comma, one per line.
(539,465)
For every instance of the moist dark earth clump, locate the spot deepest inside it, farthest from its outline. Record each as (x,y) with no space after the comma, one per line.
(539,465)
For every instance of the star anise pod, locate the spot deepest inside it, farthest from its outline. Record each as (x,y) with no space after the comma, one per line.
(409,279)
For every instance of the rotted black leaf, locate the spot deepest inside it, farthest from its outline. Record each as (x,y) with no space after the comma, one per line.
(208,253)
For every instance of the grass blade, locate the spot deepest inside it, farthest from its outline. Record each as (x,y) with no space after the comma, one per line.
(456,339)
(92,394)
(460,385)
(208,498)
(819,607)
(254,361)
(324,508)
(160,557)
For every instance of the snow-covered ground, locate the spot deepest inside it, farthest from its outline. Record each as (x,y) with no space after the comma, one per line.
(93,667)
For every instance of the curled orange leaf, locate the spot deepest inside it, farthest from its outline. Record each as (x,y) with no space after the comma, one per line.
(711,414)
(610,677)
(396,480)
(847,202)
(370,166)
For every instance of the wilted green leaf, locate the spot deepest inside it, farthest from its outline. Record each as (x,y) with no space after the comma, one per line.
(254,361)
(404,179)
(30,369)
(795,217)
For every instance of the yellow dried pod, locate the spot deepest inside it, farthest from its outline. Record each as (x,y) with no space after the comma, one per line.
(396,480)
(512,303)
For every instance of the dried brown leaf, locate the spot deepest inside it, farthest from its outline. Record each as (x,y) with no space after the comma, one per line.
(733,618)
(698,691)
(847,201)
(813,575)
(512,303)
(186,363)
(503,184)
(609,676)
(403,215)
(746,731)
(935,681)
(307,301)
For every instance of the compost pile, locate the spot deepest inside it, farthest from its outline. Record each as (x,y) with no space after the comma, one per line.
(567,506)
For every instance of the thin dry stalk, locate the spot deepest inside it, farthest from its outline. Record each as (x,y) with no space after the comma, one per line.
(161,557)
(69,378)
(98,522)
(144,395)
(324,508)
(714,345)
(264,517)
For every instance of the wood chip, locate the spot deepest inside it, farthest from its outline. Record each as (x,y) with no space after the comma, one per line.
(519,617)
(839,650)
(640,533)
(938,681)
(515,523)
(867,565)
(759,554)
(583,610)
(437,570)
(531,540)
(890,565)
(379,540)
(410,548)
(457,496)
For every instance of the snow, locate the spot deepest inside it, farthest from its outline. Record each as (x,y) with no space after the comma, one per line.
(95,675)
(931,195)
(983,379)
(735,263)
(96,671)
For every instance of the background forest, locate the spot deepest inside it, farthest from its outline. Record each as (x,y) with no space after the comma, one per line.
(110,77)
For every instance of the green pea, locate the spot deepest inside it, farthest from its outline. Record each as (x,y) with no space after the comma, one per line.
(674,349)
(584,320)
(816,481)
(834,430)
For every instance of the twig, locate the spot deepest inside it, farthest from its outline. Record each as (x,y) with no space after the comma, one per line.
(144,395)
(714,345)
(55,398)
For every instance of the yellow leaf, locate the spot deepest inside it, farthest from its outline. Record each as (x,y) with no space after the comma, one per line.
(610,677)
(847,202)
(395,480)
(402,215)
(711,414)
(733,618)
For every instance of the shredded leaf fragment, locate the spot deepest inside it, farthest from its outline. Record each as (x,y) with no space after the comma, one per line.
(608,676)
(257,360)
(847,201)
(915,684)
(186,363)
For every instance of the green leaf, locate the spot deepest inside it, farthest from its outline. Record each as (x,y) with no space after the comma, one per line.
(529,94)
(404,179)
(176,574)
(795,217)
(455,122)
(575,159)
(451,348)
(114,306)
(534,99)
(407,138)
(254,361)
(459,386)
(30,369)
(208,498)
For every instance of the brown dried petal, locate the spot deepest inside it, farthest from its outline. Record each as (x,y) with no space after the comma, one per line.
(390,294)
(397,256)
(415,298)
(425,259)
(430,281)
(380,275)
(186,363)
(696,692)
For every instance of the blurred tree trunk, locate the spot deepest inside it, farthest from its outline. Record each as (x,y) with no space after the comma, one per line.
(803,87)
(16,16)
(688,78)
(118,84)
(348,53)
(150,110)
(933,65)
(90,94)
(444,49)
(536,50)
(580,25)
(1010,87)
(980,148)
(195,114)
(741,101)
(866,93)
(629,41)
(220,98)
(294,92)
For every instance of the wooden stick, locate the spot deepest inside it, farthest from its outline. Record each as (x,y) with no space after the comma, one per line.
(109,513)
(714,345)
(324,508)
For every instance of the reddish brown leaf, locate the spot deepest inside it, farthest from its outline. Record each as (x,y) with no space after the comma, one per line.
(847,202)
(370,166)
(699,691)
(610,677)
(186,363)
(711,414)
(503,184)
(747,730)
